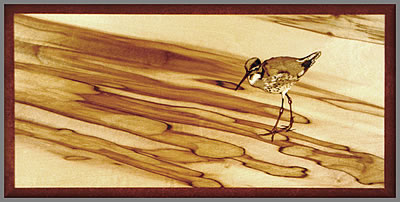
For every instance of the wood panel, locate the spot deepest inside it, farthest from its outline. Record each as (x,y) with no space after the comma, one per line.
(95,109)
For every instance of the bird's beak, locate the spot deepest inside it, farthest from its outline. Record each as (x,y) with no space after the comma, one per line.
(244,78)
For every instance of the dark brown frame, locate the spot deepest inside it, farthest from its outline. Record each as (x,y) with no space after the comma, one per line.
(390,100)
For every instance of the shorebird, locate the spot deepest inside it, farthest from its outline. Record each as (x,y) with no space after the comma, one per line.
(277,75)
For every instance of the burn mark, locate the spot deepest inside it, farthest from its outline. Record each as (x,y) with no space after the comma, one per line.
(283,72)
(76,158)
(307,64)
(224,84)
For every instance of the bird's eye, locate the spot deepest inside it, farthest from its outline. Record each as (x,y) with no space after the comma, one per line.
(252,64)
(256,63)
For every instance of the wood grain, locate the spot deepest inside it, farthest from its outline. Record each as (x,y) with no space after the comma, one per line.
(94,109)
(368,28)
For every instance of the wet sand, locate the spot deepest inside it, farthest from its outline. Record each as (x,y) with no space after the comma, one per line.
(149,101)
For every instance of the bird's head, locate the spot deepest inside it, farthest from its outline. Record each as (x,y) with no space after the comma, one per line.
(252,66)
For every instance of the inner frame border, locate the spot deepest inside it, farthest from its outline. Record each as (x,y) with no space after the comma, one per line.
(389,10)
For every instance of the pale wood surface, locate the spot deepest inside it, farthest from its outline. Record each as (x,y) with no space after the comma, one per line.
(148,101)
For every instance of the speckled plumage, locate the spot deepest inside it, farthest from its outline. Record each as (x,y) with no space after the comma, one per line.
(278,83)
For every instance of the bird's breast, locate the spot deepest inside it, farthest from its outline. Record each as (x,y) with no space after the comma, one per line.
(278,83)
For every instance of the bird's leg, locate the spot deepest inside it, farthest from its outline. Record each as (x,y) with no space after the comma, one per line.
(274,129)
(291,113)
(279,116)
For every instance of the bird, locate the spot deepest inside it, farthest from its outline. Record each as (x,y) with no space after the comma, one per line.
(277,75)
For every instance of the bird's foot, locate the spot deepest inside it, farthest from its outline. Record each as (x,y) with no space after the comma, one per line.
(273,132)
(276,130)
(286,128)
